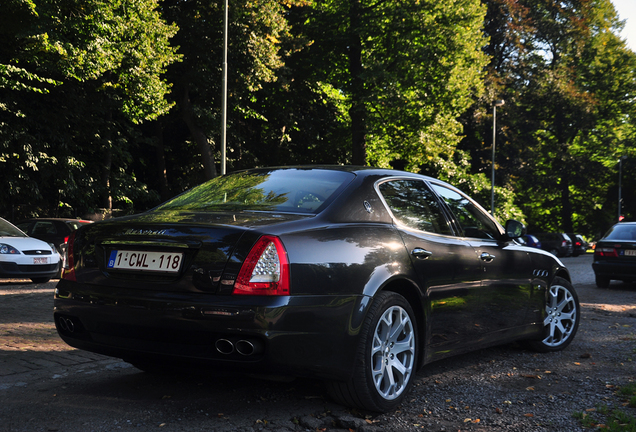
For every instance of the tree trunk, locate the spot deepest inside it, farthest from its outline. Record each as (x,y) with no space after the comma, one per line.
(358,110)
(164,190)
(207,157)
(107,198)
(566,204)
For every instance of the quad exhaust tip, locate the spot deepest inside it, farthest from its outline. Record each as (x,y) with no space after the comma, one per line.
(67,324)
(243,347)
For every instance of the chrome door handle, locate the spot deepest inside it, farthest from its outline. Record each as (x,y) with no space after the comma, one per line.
(485,256)
(421,253)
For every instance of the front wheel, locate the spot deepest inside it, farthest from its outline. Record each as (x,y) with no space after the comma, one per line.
(386,358)
(562,317)
(40,279)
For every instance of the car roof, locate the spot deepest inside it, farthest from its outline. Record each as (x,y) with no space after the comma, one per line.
(55,219)
(355,169)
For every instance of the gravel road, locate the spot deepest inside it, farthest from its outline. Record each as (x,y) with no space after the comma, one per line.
(47,386)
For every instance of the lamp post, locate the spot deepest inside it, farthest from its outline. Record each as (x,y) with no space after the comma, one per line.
(497,103)
(620,184)
(224,90)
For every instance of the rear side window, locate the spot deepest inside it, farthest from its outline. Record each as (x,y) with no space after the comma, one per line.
(470,218)
(282,190)
(414,205)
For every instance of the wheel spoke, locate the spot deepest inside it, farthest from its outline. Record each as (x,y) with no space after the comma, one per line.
(560,315)
(404,346)
(393,352)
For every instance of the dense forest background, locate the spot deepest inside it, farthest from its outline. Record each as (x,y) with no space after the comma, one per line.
(112,106)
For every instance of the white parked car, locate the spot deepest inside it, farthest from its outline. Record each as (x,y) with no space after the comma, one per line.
(24,257)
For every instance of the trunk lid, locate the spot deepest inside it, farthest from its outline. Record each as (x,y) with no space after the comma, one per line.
(169,251)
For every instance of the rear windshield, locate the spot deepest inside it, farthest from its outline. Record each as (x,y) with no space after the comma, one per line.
(621,232)
(292,190)
(9,230)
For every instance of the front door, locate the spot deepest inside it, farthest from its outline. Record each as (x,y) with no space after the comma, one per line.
(446,265)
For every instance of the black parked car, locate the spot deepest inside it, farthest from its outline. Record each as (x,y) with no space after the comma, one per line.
(579,245)
(558,244)
(51,230)
(615,255)
(357,276)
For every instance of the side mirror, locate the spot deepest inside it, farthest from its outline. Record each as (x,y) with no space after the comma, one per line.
(515,229)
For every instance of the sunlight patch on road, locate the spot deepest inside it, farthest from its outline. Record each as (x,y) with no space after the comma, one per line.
(30,336)
(9,291)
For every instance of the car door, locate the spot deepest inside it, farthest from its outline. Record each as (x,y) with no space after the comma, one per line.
(446,265)
(506,268)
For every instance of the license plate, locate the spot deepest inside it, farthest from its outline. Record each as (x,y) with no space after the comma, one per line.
(40,260)
(164,262)
(631,252)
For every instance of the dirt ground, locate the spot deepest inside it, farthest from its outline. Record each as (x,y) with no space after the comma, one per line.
(48,386)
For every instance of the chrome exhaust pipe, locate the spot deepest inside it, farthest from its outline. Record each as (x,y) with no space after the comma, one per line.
(224,346)
(67,324)
(247,348)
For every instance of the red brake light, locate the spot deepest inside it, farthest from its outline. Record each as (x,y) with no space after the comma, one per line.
(265,270)
(606,252)
(68,272)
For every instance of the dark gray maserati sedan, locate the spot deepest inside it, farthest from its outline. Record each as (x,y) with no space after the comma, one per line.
(356,276)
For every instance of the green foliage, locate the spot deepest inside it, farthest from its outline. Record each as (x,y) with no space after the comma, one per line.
(418,67)
(568,81)
(116,103)
(75,76)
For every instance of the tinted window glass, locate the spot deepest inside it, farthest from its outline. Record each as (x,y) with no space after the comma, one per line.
(414,205)
(471,220)
(73,225)
(621,232)
(43,228)
(283,190)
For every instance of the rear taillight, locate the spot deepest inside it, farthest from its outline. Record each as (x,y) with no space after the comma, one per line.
(606,252)
(69,260)
(265,270)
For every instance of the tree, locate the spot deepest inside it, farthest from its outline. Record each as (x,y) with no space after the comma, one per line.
(568,81)
(256,31)
(108,58)
(407,70)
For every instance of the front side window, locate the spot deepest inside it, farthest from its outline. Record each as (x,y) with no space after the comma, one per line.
(471,220)
(414,205)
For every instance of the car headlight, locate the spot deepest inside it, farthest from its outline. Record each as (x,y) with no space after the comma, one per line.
(53,248)
(8,249)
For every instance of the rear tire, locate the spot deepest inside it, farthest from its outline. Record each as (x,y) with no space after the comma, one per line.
(602,281)
(562,317)
(386,359)
(153,367)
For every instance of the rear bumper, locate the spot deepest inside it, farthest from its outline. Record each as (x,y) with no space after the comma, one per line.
(615,270)
(313,336)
